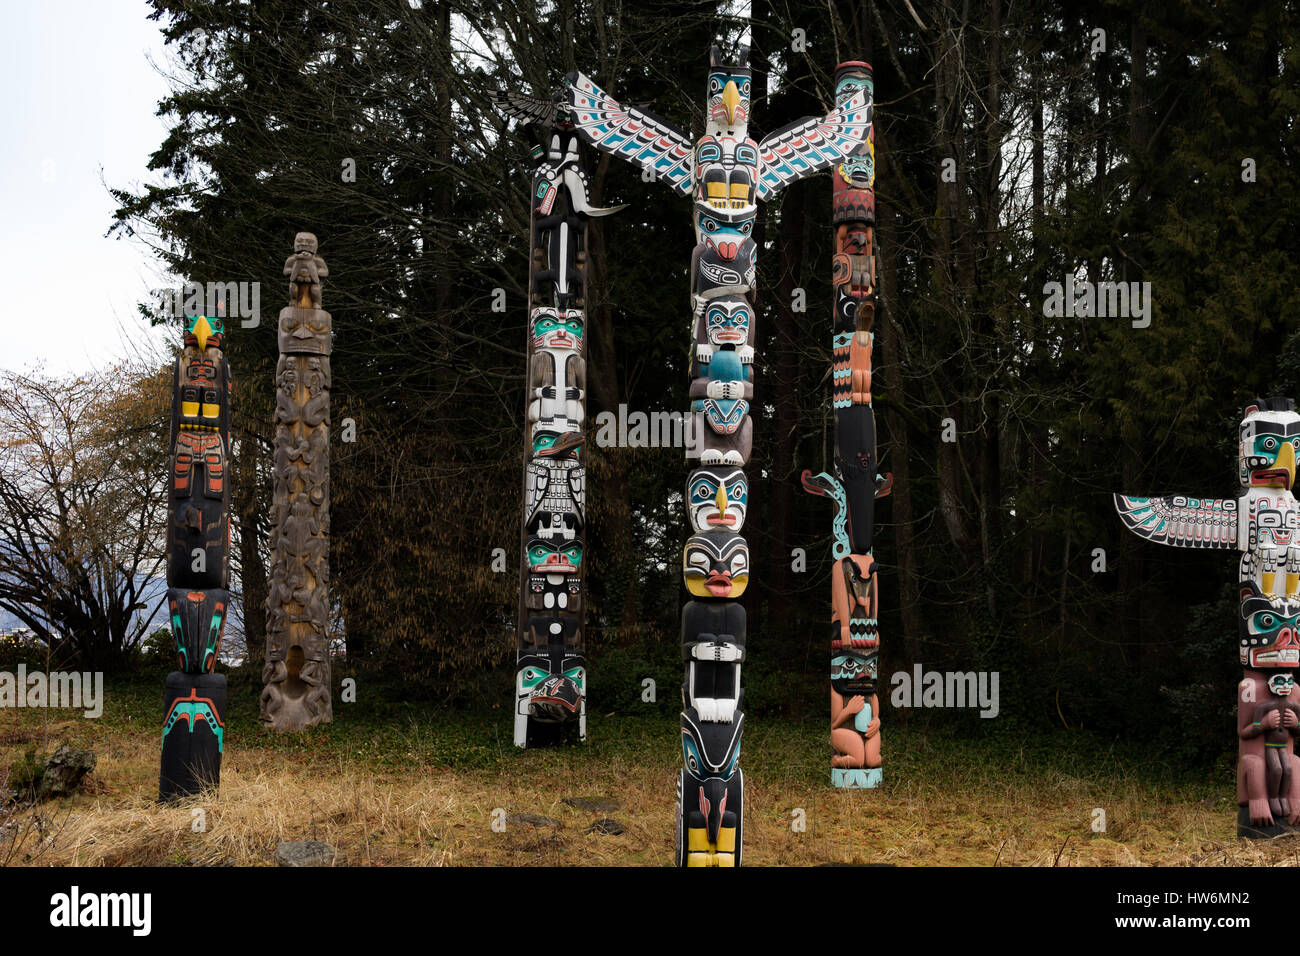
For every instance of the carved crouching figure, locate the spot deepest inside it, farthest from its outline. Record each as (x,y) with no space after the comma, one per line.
(1268,710)
(1268,776)
(305,269)
(855,731)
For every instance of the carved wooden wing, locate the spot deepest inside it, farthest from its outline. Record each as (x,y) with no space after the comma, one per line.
(539,477)
(811,144)
(632,134)
(529,109)
(578,491)
(1181,521)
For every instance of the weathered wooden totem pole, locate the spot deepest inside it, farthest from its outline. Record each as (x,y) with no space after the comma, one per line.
(726,173)
(296,677)
(853,484)
(198,561)
(1262,524)
(550,666)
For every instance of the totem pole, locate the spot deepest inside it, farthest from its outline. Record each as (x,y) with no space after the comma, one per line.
(296,677)
(198,561)
(853,485)
(550,667)
(1262,524)
(726,173)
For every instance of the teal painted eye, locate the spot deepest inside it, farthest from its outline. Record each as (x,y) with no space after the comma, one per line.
(703,491)
(537,555)
(573,553)
(744,86)
(738,491)
(715,85)
(691,757)
(542,442)
(576,675)
(531,677)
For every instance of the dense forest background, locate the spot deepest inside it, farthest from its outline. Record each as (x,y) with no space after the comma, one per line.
(1016,145)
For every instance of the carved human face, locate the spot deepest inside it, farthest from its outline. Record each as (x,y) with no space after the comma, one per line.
(727,320)
(557,328)
(1281,684)
(716,564)
(304,242)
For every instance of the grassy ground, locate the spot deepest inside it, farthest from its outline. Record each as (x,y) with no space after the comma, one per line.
(420,786)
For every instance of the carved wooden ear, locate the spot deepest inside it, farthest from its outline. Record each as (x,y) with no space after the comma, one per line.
(1253,406)
(1249,589)
(715,55)
(743,60)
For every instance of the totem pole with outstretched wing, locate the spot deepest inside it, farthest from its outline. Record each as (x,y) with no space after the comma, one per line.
(725,173)
(1262,525)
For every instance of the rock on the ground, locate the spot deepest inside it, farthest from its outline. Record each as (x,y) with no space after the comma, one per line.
(532,820)
(304,853)
(64,772)
(592,804)
(607,826)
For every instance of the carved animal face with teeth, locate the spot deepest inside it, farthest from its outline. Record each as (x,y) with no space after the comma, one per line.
(1268,630)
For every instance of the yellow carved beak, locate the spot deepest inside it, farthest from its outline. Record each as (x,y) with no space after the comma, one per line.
(1286,459)
(202,331)
(720,499)
(731,99)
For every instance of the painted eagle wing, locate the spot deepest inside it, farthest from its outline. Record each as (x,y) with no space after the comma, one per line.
(530,109)
(577,488)
(638,136)
(1181,521)
(812,144)
(539,476)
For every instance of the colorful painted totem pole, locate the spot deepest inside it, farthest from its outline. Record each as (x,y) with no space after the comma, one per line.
(551,666)
(198,561)
(296,676)
(1262,524)
(726,173)
(853,484)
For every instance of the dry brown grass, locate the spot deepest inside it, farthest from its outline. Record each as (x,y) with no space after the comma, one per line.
(402,807)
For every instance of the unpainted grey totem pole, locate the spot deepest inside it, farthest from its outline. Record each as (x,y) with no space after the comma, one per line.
(296,678)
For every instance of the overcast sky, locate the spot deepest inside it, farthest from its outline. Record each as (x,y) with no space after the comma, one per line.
(78,113)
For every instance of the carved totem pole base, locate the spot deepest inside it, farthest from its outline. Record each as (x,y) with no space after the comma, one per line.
(293,702)
(857,779)
(1250,831)
(193,734)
